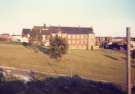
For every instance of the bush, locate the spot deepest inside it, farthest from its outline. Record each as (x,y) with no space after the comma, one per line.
(58,47)
(133,54)
(2,78)
(25,44)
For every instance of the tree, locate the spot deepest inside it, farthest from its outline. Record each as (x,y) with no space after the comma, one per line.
(58,47)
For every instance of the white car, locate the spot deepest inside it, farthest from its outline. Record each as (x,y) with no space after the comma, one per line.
(24,39)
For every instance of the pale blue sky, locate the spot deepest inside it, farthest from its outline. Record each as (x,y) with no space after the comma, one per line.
(107,17)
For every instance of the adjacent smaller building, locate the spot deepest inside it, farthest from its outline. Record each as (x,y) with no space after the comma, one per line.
(5,37)
(101,40)
(16,38)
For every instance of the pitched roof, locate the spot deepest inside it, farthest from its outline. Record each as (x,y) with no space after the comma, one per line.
(71,30)
(26,31)
(68,30)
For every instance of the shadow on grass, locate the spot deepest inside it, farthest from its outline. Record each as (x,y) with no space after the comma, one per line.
(47,51)
(43,50)
(111,57)
(132,61)
(59,85)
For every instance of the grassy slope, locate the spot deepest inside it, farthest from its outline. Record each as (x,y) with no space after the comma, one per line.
(98,65)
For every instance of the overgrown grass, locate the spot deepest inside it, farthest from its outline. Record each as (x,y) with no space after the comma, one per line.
(106,65)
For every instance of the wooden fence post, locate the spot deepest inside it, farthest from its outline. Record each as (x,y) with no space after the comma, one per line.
(128,64)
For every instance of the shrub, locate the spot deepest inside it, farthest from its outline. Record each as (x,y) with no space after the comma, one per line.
(2,78)
(58,47)
(133,54)
(25,44)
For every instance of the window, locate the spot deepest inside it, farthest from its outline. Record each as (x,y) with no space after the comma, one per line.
(81,36)
(69,36)
(69,41)
(73,36)
(78,36)
(78,42)
(73,41)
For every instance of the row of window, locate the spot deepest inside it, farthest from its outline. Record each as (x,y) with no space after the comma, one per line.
(77,36)
(81,42)
(73,36)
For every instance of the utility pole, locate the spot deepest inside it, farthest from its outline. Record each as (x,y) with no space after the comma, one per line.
(128,64)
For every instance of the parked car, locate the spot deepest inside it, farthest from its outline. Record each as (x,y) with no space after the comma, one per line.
(115,46)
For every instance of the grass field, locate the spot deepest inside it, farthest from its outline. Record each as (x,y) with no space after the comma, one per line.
(99,64)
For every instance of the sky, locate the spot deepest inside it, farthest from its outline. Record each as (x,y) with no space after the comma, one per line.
(106,17)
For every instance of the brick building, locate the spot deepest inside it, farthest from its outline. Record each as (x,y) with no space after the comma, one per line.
(77,37)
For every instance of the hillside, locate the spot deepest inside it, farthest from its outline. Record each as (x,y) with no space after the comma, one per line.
(105,65)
